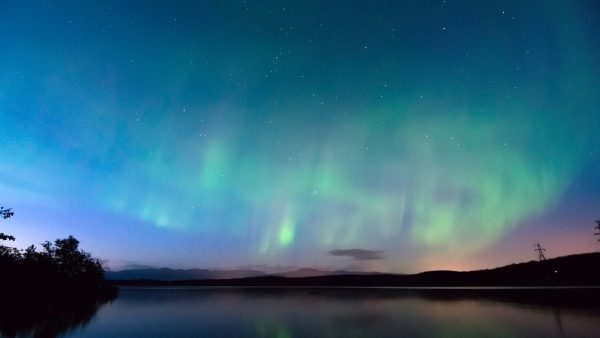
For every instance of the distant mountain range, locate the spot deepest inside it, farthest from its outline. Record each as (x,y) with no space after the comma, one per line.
(574,270)
(166,274)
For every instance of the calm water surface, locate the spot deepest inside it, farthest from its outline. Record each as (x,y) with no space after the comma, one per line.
(181,312)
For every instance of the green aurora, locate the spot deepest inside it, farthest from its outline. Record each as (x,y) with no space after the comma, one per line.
(422,132)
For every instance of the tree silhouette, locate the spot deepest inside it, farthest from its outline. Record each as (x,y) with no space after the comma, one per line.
(5,237)
(69,260)
(59,267)
(49,292)
(6,213)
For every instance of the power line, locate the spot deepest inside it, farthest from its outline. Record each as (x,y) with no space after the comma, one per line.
(538,248)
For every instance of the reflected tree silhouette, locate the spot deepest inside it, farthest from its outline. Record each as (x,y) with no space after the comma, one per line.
(49,317)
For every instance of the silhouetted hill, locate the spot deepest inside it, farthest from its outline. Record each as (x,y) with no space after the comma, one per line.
(308,272)
(166,274)
(574,270)
(304,272)
(135,267)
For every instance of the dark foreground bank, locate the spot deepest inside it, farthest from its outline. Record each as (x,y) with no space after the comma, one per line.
(46,292)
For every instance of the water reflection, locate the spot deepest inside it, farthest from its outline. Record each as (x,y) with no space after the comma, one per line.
(50,317)
(292,313)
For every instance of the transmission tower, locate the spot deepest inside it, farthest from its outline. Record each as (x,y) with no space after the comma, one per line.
(597,227)
(540,251)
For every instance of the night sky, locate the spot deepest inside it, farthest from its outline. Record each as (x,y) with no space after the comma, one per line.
(375,135)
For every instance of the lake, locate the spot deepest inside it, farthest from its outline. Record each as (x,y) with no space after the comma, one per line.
(323,312)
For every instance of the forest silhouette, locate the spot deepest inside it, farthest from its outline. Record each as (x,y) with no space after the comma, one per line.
(60,266)
(46,292)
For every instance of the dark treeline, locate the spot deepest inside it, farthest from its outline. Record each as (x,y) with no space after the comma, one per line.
(59,266)
(46,293)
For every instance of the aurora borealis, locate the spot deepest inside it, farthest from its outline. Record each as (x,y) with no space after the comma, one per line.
(440,134)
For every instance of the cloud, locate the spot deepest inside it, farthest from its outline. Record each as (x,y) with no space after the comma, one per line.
(358,254)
